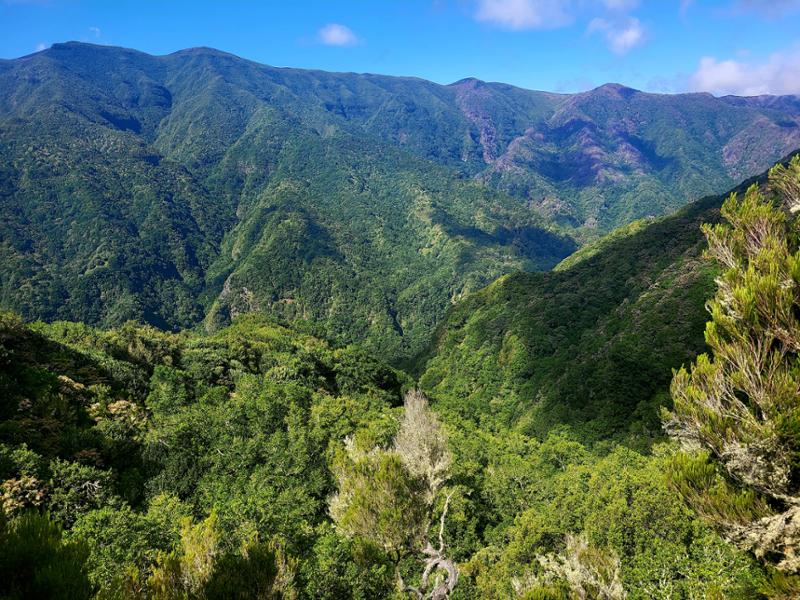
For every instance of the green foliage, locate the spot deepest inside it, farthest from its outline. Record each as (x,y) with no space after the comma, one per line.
(159,431)
(197,186)
(581,358)
(35,562)
(203,465)
(248,424)
(388,497)
(379,500)
(184,572)
(697,479)
(591,345)
(290,203)
(75,489)
(621,502)
(246,576)
(740,405)
(122,539)
(343,567)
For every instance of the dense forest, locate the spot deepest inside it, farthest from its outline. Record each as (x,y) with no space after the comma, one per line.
(183,190)
(280,333)
(528,460)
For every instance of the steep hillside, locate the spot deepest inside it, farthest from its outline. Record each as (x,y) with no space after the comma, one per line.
(591,344)
(170,189)
(613,155)
(373,247)
(189,188)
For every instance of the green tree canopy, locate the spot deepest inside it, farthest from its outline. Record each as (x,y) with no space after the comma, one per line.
(738,409)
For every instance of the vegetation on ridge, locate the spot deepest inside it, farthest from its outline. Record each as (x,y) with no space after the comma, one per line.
(189,188)
(174,461)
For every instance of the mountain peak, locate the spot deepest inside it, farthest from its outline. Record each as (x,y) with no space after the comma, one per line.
(471,82)
(202,50)
(72,47)
(76,45)
(615,89)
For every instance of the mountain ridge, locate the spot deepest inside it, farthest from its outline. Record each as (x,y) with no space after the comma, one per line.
(185,188)
(303,235)
(469,78)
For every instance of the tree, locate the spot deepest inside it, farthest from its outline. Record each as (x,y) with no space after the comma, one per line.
(738,411)
(586,571)
(252,574)
(421,443)
(197,569)
(378,499)
(388,496)
(184,572)
(35,562)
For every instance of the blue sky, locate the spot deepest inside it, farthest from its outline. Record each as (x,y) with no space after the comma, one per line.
(721,46)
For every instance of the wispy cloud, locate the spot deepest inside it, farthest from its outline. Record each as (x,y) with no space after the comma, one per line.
(334,34)
(778,74)
(95,31)
(611,17)
(621,5)
(41,46)
(768,8)
(622,35)
(525,14)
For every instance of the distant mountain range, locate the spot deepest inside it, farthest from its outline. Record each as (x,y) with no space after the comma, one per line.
(188,188)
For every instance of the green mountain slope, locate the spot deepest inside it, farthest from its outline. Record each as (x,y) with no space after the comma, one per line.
(201,185)
(96,226)
(373,247)
(612,155)
(590,345)
(191,187)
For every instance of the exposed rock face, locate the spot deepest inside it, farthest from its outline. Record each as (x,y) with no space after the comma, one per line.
(469,96)
(616,151)
(745,150)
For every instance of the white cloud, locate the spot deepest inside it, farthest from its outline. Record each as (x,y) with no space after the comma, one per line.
(525,14)
(623,31)
(621,35)
(41,46)
(334,34)
(95,31)
(779,74)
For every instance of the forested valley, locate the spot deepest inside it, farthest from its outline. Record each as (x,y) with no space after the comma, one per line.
(345,345)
